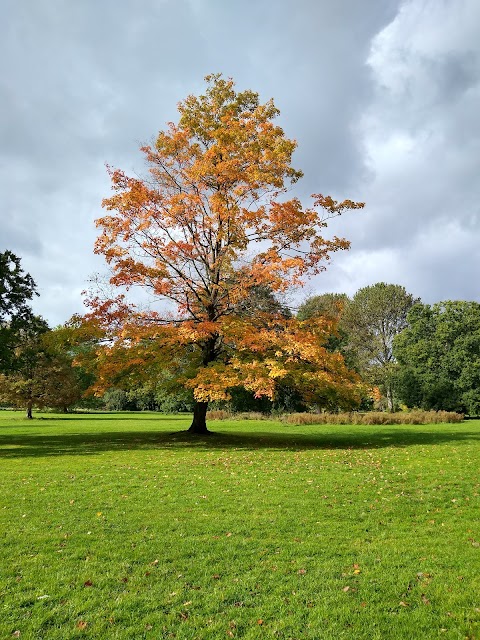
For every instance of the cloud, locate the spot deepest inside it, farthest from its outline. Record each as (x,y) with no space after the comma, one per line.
(421,138)
(382,97)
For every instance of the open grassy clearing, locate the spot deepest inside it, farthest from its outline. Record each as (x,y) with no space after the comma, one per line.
(115,526)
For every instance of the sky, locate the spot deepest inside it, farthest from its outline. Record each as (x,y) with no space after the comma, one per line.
(382,96)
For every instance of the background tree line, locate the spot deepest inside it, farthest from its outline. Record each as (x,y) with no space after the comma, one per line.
(409,353)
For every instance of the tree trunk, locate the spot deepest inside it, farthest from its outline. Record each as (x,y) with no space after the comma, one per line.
(390,403)
(29,410)
(199,422)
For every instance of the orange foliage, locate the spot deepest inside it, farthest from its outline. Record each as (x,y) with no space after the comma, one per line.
(207,225)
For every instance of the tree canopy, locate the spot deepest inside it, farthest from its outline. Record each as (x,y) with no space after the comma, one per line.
(208,227)
(17,288)
(371,320)
(439,357)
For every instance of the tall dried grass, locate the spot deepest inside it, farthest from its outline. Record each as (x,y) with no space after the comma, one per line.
(374,417)
(221,414)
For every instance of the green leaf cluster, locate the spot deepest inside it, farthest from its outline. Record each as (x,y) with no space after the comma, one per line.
(439,357)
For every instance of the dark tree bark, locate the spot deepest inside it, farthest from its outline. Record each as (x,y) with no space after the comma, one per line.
(29,410)
(199,422)
(210,354)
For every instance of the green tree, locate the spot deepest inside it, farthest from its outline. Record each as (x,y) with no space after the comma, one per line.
(24,383)
(371,320)
(331,306)
(41,374)
(17,288)
(64,382)
(439,357)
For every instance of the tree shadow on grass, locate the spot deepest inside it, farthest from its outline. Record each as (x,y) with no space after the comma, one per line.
(26,445)
(101,415)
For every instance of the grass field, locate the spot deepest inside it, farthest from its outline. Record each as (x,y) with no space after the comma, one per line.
(118,526)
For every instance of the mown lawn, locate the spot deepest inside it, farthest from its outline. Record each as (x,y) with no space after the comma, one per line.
(118,526)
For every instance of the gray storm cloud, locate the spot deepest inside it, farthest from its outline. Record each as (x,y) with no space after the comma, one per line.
(382,98)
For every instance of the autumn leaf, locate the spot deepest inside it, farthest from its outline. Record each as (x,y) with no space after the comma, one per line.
(81,624)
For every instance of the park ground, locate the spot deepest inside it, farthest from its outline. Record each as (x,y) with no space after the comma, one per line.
(122,526)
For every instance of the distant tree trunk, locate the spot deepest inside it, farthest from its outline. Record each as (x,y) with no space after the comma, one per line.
(29,410)
(199,422)
(390,403)
(64,409)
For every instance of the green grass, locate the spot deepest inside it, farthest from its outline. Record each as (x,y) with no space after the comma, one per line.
(118,526)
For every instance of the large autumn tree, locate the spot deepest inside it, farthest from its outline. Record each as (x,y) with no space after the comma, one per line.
(208,226)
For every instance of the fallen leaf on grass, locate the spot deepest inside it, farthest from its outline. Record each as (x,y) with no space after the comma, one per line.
(81,624)
(16,634)
(88,583)
(425,600)
(346,589)
(403,604)
(260,622)
(302,572)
